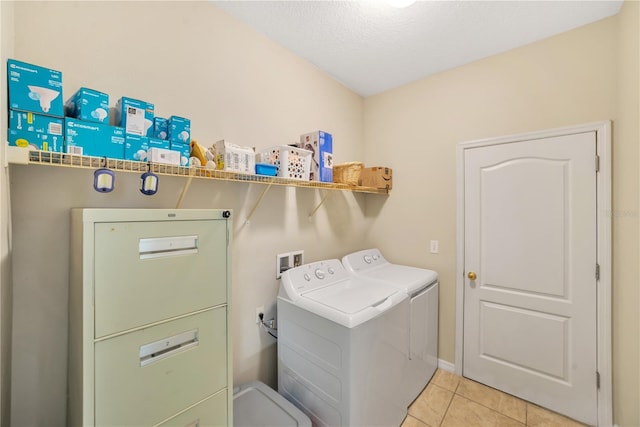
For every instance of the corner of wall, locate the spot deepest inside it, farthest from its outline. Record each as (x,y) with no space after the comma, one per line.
(6,312)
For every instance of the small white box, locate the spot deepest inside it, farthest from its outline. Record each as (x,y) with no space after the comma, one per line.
(234,158)
(162,155)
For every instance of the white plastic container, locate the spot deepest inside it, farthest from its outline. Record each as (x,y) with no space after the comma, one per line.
(255,404)
(292,162)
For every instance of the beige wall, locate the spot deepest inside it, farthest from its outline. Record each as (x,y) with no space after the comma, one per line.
(626,293)
(585,75)
(6,313)
(233,83)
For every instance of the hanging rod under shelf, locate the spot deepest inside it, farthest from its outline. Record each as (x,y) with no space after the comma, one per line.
(18,155)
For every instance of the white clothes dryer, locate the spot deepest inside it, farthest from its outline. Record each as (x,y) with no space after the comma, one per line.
(341,343)
(421,286)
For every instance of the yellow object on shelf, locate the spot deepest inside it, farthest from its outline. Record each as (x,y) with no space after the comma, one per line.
(197,151)
(347,173)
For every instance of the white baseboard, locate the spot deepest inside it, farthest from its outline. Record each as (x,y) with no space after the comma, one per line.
(446,366)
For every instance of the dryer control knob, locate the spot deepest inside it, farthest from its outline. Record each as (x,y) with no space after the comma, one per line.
(367,259)
(320,274)
(330,270)
(375,257)
(307,277)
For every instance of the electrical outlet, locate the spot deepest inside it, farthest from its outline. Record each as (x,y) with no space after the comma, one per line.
(283,263)
(258,311)
(434,246)
(297,258)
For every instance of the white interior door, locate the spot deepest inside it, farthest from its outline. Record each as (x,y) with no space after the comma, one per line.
(530,239)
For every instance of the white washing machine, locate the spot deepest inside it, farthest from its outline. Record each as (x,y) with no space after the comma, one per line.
(341,346)
(421,286)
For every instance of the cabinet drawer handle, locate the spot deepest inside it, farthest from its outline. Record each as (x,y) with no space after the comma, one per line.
(155,351)
(167,246)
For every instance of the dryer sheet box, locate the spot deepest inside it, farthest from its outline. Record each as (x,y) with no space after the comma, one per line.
(321,145)
(34,88)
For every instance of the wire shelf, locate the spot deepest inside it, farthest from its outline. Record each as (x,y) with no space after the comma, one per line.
(89,162)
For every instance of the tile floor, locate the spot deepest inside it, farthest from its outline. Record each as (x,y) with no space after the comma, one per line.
(453,401)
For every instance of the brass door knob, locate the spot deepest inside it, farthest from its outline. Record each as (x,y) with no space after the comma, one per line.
(472,275)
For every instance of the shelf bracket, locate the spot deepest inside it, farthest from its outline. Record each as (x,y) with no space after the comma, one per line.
(257,203)
(313,212)
(185,188)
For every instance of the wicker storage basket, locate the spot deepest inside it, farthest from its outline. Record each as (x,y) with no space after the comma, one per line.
(347,173)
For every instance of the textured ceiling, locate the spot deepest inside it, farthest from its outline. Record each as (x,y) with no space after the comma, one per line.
(371,47)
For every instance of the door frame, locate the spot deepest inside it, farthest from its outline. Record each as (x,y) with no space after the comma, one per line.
(603,207)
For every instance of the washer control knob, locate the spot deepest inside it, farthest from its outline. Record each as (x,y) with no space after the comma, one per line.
(330,270)
(320,274)
(307,277)
(367,259)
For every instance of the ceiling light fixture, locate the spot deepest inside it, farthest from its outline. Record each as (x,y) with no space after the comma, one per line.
(400,3)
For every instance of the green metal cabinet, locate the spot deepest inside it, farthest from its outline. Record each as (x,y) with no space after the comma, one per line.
(149,321)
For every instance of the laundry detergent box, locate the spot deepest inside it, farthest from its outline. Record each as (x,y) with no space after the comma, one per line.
(184,150)
(136,147)
(321,145)
(36,140)
(160,128)
(179,130)
(89,105)
(94,139)
(135,116)
(34,88)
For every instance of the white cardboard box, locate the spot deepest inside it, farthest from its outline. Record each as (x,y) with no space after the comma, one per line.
(234,158)
(162,155)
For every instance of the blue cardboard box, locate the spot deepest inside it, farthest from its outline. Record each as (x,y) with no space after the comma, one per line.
(135,116)
(185,152)
(93,139)
(160,128)
(135,148)
(36,140)
(38,123)
(179,130)
(159,143)
(34,88)
(321,144)
(89,105)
